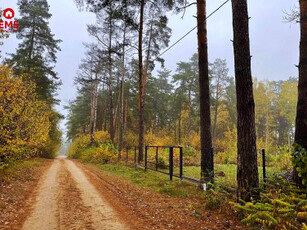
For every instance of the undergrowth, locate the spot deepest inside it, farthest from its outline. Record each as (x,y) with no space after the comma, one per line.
(19,169)
(282,206)
(152,180)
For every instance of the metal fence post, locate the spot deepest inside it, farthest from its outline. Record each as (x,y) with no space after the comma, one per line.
(171,162)
(157,157)
(181,163)
(145,158)
(263,166)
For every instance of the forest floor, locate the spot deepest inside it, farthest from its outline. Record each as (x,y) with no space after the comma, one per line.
(71,195)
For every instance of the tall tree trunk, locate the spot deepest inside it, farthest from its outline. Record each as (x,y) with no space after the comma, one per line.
(267,129)
(122,93)
(179,127)
(102,108)
(116,114)
(93,118)
(301,117)
(154,125)
(147,61)
(247,170)
(207,168)
(190,116)
(126,112)
(216,110)
(111,125)
(102,114)
(31,44)
(141,86)
(112,133)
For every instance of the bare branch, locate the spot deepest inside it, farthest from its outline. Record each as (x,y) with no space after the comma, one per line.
(292,16)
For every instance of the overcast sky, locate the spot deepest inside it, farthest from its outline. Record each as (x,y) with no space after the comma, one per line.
(274,44)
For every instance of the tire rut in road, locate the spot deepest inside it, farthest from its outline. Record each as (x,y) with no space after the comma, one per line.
(45,212)
(103,216)
(73,213)
(67,200)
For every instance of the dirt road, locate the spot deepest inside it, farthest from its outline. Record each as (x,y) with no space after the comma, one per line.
(66,199)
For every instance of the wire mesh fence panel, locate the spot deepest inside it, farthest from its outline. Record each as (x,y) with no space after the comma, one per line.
(130,156)
(191,163)
(158,158)
(184,163)
(176,162)
(151,158)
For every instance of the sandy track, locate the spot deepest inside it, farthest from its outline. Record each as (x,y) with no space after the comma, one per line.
(45,212)
(67,200)
(103,216)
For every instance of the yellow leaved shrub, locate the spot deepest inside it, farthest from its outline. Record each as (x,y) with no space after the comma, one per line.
(24,120)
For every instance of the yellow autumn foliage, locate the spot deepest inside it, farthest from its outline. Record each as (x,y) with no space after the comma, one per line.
(101,151)
(24,120)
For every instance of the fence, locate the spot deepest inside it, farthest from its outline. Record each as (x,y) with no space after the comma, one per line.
(173,161)
(168,160)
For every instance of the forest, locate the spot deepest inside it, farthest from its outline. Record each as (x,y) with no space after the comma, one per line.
(127,99)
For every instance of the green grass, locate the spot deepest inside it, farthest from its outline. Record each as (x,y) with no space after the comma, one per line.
(161,183)
(230,170)
(153,180)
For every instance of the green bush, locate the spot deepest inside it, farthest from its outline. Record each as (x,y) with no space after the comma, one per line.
(216,198)
(282,206)
(299,161)
(79,144)
(102,151)
(105,153)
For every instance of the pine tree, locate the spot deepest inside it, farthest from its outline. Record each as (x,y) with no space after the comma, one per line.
(207,167)
(187,73)
(3,35)
(36,54)
(301,118)
(220,75)
(148,11)
(247,171)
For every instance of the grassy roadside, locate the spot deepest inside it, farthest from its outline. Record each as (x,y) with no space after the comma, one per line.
(229,179)
(155,181)
(21,169)
(209,200)
(258,214)
(157,202)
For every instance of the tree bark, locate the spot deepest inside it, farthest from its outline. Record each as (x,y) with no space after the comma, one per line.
(111,127)
(31,44)
(102,115)
(207,168)
(126,112)
(301,112)
(93,118)
(190,116)
(122,93)
(216,110)
(110,80)
(141,86)
(154,125)
(179,127)
(247,170)
(116,114)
